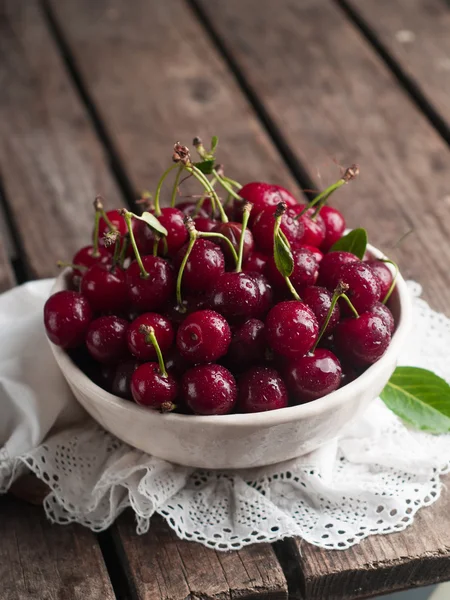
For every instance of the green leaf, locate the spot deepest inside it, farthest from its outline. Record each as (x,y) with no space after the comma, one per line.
(283,257)
(214,142)
(152,222)
(420,398)
(355,242)
(205,166)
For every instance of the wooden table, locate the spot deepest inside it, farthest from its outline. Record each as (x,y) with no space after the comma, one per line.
(92,96)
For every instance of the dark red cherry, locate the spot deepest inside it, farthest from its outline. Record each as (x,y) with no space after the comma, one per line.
(313,227)
(348,375)
(364,287)
(106,339)
(209,390)
(85,257)
(232,231)
(263,226)
(318,254)
(236,296)
(248,345)
(329,268)
(204,336)
(255,263)
(265,294)
(149,387)
(383,274)
(105,288)
(291,328)
(176,365)
(261,389)
(265,195)
(334,226)
(139,344)
(361,341)
(313,376)
(189,208)
(173,220)
(121,381)
(67,316)
(319,301)
(204,266)
(204,224)
(117,221)
(190,304)
(153,292)
(305,271)
(382,311)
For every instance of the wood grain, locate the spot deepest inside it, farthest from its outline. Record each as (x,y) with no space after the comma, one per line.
(418,556)
(49,562)
(415,33)
(162,567)
(51,162)
(156,79)
(333,98)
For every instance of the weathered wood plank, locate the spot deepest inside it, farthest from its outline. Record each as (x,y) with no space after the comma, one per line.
(162,567)
(156,79)
(51,162)
(331,96)
(418,556)
(49,562)
(415,33)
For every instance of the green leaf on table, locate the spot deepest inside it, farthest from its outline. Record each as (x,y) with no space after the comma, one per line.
(205,166)
(420,398)
(284,260)
(152,222)
(355,242)
(214,142)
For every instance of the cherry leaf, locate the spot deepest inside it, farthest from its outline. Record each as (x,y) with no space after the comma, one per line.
(420,398)
(205,166)
(152,222)
(282,255)
(355,242)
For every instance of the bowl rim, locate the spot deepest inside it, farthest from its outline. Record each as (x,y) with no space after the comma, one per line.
(268,418)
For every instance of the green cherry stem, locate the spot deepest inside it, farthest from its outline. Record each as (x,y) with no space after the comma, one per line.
(159,187)
(278,233)
(232,182)
(349,302)
(193,235)
(245,216)
(155,244)
(339,292)
(98,208)
(226,185)
(394,279)
(292,288)
(63,265)
(150,338)
(116,255)
(175,186)
(128,217)
(213,234)
(98,203)
(123,251)
(203,198)
(208,187)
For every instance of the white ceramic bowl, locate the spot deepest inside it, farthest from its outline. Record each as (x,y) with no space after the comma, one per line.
(240,440)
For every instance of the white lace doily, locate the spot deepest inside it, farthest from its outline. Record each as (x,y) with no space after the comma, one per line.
(372,480)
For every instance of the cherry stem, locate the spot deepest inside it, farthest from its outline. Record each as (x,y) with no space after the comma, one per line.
(245,216)
(277,232)
(116,254)
(98,214)
(213,234)
(175,186)
(155,244)
(123,251)
(193,235)
(150,338)
(62,265)
(128,216)
(203,198)
(349,302)
(394,280)
(159,187)
(232,182)
(207,185)
(226,185)
(98,204)
(338,293)
(292,288)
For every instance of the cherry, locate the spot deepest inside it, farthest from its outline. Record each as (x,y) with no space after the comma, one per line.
(363,284)
(173,220)
(263,227)
(236,296)
(291,328)
(319,301)
(209,390)
(361,341)
(348,375)
(313,376)
(382,311)
(255,263)
(233,231)
(204,336)
(204,224)
(106,339)
(261,389)
(175,364)
(105,288)
(318,254)
(140,345)
(119,224)
(87,257)
(176,313)
(151,388)
(305,271)
(313,227)
(103,376)
(266,294)
(67,316)
(383,274)
(189,208)
(265,195)
(248,345)
(330,265)
(334,226)
(121,380)
(152,290)
(203,267)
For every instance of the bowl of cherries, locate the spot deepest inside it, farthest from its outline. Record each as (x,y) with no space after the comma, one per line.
(236,330)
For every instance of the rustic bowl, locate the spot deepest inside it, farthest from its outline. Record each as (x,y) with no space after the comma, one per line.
(240,440)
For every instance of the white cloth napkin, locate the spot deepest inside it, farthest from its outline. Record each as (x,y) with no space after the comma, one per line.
(372,480)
